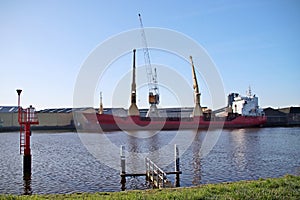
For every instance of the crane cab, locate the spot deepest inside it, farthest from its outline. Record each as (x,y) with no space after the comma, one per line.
(153,98)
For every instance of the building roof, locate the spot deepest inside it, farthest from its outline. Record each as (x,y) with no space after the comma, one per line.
(290,110)
(273,112)
(61,110)
(8,109)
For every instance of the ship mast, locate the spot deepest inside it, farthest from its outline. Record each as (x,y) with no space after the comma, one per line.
(133,109)
(197,109)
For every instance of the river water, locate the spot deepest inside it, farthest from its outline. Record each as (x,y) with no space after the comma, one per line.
(69,162)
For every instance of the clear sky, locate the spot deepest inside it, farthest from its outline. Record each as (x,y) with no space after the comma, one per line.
(44,43)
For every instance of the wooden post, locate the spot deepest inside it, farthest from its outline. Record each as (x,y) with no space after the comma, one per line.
(123,170)
(163,180)
(152,171)
(147,169)
(177,166)
(122,156)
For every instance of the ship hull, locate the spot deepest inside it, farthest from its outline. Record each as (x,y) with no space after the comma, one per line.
(105,122)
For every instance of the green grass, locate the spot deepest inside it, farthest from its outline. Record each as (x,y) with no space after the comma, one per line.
(287,187)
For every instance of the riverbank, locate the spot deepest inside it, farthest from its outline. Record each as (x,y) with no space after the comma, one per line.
(287,187)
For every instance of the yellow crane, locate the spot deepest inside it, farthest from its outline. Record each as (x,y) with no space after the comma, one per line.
(151,75)
(197,109)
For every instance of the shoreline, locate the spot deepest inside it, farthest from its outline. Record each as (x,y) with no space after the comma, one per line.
(286,187)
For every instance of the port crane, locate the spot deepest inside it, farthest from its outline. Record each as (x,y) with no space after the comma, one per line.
(151,75)
(197,109)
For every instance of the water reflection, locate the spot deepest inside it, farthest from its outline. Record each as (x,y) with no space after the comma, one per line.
(27,184)
(196,161)
(245,151)
(240,148)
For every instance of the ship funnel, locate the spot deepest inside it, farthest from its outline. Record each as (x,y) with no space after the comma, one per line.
(133,109)
(197,109)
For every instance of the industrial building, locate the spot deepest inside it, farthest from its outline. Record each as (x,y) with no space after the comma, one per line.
(289,116)
(61,118)
(9,116)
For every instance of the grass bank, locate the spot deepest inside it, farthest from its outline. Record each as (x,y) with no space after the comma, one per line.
(287,187)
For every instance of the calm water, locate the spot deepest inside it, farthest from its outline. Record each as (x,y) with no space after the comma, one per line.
(69,162)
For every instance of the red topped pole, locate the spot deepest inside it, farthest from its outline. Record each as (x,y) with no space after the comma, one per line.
(26,117)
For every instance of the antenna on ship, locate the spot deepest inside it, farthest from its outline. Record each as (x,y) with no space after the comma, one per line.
(133,109)
(249,91)
(101,105)
(197,109)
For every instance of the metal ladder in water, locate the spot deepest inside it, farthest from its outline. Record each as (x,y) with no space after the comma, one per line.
(156,175)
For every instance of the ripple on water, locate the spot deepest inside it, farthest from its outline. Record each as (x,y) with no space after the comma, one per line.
(61,164)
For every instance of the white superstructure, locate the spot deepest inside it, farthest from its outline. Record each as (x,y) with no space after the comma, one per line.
(246,105)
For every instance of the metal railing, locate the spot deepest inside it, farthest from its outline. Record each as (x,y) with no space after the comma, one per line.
(155,174)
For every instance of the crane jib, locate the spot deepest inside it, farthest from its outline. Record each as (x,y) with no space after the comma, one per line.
(152,77)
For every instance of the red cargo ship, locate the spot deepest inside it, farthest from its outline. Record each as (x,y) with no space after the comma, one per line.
(241,112)
(107,122)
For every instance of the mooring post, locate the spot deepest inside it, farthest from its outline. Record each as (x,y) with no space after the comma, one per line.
(122,156)
(123,170)
(147,168)
(177,166)
(157,179)
(152,170)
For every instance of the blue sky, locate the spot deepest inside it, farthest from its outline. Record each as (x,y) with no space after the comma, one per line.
(44,43)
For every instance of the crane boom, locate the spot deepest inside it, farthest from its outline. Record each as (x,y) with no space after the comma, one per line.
(152,77)
(197,109)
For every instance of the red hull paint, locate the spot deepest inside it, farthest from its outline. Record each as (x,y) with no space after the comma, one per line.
(107,122)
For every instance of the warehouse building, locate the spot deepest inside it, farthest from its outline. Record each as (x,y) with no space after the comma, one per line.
(61,118)
(9,116)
